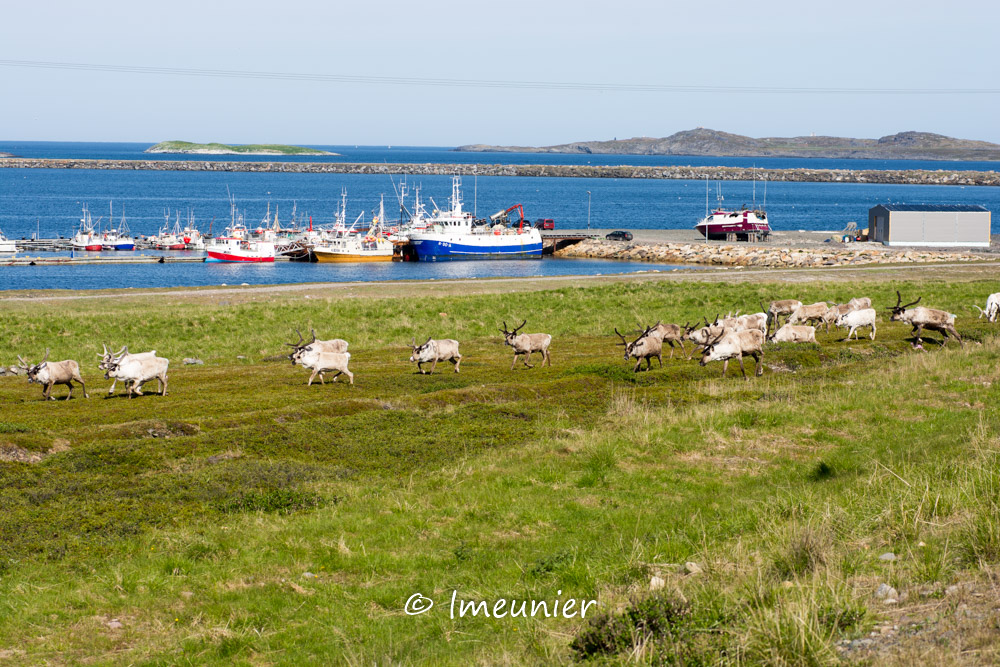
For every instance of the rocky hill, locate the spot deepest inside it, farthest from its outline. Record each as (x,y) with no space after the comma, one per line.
(702,141)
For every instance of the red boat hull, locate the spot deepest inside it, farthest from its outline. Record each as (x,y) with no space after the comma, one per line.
(226,257)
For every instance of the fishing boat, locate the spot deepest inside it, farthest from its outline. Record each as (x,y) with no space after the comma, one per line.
(118,238)
(237,244)
(191,235)
(170,238)
(86,238)
(348,245)
(745,224)
(6,245)
(455,234)
(235,249)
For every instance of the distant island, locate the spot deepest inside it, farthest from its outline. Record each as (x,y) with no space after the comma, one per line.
(227,149)
(705,142)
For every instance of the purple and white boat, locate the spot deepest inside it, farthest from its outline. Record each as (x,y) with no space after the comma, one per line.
(745,224)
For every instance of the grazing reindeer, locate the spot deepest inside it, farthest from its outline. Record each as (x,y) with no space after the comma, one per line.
(49,373)
(752,321)
(108,359)
(701,336)
(136,370)
(992,308)
(860,303)
(526,344)
(835,311)
(335,345)
(670,334)
(646,346)
(809,314)
(434,351)
(320,361)
(736,344)
(790,333)
(921,318)
(778,308)
(856,319)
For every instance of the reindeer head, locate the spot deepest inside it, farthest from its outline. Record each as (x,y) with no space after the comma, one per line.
(32,370)
(713,350)
(419,350)
(632,348)
(299,347)
(109,358)
(509,336)
(898,310)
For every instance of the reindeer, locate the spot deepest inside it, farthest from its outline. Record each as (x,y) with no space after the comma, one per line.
(808,314)
(778,308)
(834,312)
(860,303)
(434,351)
(49,373)
(752,321)
(526,344)
(335,345)
(321,361)
(108,360)
(670,334)
(646,346)
(992,308)
(790,333)
(700,337)
(136,370)
(856,319)
(921,318)
(736,344)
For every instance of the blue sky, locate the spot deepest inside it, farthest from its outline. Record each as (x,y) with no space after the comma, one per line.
(850,44)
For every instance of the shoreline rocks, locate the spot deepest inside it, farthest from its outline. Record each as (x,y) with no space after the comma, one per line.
(902,177)
(755,255)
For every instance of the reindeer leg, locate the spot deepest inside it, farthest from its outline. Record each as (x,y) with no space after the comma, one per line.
(742,369)
(420,367)
(725,367)
(164,392)
(638,363)
(70,394)
(433,366)
(350,376)
(873,332)
(458,360)
(321,378)
(311,378)
(513,363)
(671,343)
(48,392)
(681,341)
(85,394)
(548,358)
(659,358)
(759,359)
(527,358)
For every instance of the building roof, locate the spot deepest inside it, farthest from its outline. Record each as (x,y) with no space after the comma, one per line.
(950,208)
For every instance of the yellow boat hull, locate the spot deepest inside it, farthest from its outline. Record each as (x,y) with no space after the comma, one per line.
(330,257)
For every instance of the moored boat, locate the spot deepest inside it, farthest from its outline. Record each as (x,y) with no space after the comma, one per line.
(7,245)
(86,238)
(456,235)
(348,245)
(232,249)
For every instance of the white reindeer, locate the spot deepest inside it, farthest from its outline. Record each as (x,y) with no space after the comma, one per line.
(526,344)
(434,351)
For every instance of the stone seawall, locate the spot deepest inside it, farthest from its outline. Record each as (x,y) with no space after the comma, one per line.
(735,255)
(903,177)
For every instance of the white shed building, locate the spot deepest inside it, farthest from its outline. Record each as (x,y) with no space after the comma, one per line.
(936,225)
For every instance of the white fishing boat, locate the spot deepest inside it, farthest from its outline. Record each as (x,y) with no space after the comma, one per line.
(86,238)
(455,234)
(237,244)
(6,245)
(170,238)
(191,235)
(348,245)
(118,238)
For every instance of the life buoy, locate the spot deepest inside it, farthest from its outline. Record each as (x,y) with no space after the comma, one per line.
(496,231)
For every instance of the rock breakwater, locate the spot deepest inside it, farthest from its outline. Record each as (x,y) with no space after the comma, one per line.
(771,257)
(902,177)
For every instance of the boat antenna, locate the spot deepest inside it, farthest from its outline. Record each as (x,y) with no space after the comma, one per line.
(706,196)
(475,193)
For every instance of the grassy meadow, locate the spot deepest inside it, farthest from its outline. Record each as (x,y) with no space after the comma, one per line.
(248,519)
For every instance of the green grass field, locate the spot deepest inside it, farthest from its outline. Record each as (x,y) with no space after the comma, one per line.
(246,518)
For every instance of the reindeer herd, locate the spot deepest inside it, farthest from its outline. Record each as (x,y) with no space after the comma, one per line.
(733,337)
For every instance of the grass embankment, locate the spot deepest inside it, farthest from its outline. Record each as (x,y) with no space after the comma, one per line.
(181,529)
(246,149)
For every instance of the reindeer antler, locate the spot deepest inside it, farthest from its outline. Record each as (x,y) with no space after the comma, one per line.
(520,327)
(504,330)
(46,357)
(913,303)
(24,364)
(624,342)
(300,340)
(314,336)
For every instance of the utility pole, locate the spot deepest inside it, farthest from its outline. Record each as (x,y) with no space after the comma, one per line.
(588,210)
